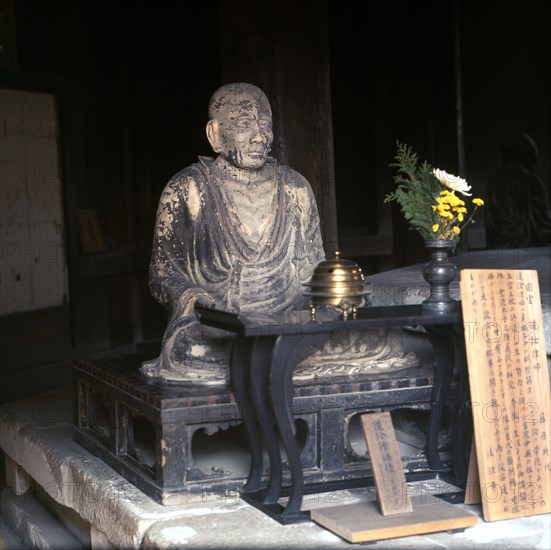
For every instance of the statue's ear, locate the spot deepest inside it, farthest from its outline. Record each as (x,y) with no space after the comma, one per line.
(213,135)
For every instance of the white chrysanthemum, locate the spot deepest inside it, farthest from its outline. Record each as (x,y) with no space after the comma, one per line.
(455,183)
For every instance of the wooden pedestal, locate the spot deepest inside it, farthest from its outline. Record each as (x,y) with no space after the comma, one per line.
(146,433)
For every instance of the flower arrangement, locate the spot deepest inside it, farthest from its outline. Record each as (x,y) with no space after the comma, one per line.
(430,198)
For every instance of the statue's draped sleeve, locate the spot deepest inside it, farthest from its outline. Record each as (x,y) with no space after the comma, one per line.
(173,277)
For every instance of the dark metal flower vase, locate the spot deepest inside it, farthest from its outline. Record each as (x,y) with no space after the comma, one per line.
(439,273)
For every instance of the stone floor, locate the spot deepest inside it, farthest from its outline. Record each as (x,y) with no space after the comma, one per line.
(234,524)
(68,498)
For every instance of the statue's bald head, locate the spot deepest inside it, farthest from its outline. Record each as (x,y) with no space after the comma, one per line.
(240,125)
(237,96)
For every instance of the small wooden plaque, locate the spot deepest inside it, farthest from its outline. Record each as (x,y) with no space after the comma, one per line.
(362,522)
(386,463)
(89,231)
(510,395)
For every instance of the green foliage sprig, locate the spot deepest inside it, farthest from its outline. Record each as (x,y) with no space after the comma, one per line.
(416,188)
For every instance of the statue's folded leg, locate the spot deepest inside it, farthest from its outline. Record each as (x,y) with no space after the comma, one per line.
(357,352)
(191,353)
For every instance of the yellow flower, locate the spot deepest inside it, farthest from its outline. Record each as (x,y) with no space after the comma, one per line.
(435,228)
(460,216)
(478,202)
(454,200)
(461,210)
(456,230)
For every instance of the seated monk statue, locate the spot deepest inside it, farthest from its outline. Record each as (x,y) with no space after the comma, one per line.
(238,232)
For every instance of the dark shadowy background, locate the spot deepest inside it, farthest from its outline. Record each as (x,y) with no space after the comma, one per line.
(132,82)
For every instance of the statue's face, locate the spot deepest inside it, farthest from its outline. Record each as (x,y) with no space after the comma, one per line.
(245,133)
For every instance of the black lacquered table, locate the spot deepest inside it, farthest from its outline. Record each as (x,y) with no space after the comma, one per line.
(267,351)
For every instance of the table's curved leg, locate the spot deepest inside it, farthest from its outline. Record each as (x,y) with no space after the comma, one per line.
(240,360)
(463,428)
(261,357)
(286,355)
(444,354)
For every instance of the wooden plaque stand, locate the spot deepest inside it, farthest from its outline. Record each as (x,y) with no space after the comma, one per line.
(394,514)
(472,490)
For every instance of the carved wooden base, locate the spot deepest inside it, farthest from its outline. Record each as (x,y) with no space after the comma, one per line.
(145,432)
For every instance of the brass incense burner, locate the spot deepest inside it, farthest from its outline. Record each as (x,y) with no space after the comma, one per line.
(337,283)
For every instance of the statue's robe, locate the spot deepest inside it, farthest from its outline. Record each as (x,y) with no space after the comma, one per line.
(205,249)
(241,247)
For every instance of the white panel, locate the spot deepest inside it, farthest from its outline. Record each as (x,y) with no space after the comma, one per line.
(15,269)
(33,271)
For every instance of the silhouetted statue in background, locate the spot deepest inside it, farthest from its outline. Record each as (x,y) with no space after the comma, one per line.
(518,213)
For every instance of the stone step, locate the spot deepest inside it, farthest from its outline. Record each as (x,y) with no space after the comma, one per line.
(34,524)
(8,539)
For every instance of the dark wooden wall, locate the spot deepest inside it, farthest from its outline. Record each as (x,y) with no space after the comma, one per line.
(283,47)
(392,79)
(132,83)
(346,80)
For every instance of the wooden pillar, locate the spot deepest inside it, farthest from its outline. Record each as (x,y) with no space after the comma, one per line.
(282,47)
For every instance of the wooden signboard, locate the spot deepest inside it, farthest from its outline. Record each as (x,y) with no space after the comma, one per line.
(390,480)
(510,394)
(394,514)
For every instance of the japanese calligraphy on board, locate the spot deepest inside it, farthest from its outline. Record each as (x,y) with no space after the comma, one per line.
(509,385)
(390,480)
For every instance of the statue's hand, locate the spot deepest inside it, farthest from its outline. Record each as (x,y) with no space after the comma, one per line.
(203,301)
(186,302)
